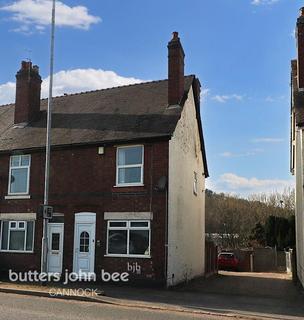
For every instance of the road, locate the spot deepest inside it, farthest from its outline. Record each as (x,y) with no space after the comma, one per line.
(271,295)
(248,295)
(17,307)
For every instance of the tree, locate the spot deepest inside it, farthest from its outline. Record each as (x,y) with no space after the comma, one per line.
(258,234)
(292,232)
(280,232)
(233,219)
(270,232)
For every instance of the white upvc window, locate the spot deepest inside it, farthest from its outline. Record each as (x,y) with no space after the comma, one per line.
(19,174)
(130,165)
(195,183)
(17,236)
(129,238)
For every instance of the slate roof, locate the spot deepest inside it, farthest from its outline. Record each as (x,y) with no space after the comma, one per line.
(112,115)
(297,96)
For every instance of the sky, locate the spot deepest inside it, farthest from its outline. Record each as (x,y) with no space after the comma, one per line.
(239,49)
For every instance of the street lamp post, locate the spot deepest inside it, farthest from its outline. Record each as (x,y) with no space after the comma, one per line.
(44,254)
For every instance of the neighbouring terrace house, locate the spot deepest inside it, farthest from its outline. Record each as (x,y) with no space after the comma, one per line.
(128,169)
(297,146)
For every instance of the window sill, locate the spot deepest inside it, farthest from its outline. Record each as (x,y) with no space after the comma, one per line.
(17,196)
(16,251)
(126,256)
(129,185)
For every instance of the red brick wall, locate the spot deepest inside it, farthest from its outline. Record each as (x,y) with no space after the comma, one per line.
(83,181)
(28,91)
(175,70)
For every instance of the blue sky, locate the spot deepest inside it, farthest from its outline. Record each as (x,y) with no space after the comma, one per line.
(240,50)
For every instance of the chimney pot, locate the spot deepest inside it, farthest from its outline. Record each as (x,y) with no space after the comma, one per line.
(302,12)
(175,35)
(26,65)
(36,69)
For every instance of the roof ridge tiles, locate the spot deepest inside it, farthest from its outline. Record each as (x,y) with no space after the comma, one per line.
(106,89)
(112,88)
(99,90)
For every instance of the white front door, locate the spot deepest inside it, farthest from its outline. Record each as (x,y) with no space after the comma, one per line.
(84,243)
(55,247)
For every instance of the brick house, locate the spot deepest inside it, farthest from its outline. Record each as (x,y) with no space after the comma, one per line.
(297,142)
(128,169)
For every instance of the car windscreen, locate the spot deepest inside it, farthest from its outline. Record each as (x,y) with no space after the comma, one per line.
(227,255)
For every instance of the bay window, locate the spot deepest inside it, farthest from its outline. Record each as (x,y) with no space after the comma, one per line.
(128,238)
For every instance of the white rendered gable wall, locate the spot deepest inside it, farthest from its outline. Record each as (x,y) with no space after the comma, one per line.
(299,167)
(186,211)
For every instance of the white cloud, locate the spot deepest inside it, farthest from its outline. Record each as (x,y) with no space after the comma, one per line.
(276,98)
(78,80)
(270,99)
(228,154)
(225,98)
(72,81)
(263,2)
(36,15)
(267,140)
(7,92)
(205,93)
(232,183)
(293,33)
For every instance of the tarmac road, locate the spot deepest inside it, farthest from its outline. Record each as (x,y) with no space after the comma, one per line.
(17,307)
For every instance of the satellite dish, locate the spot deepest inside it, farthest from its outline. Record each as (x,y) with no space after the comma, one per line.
(162,184)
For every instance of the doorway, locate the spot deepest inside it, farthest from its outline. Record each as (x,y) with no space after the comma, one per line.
(55,245)
(84,242)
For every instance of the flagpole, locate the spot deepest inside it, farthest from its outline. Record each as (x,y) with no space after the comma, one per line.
(44,254)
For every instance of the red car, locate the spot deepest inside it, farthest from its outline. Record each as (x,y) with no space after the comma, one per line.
(228,261)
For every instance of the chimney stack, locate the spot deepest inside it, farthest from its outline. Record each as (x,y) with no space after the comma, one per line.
(300,45)
(28,91)
(176,80)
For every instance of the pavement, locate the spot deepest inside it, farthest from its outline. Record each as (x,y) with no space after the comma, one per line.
(232,295)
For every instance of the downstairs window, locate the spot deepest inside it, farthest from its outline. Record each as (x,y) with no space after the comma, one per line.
(17,236)
(129,238)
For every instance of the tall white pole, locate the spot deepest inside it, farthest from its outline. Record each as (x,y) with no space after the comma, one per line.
(44,253)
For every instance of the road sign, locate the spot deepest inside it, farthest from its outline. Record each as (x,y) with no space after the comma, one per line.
(47,211)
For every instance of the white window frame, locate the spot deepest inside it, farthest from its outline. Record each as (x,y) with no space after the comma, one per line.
(17,229)
(128,228)
(28,167)
(141,183)
(195,183)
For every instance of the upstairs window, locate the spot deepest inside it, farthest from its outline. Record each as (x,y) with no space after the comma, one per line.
(19,174)
(130,164)
(17,236)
